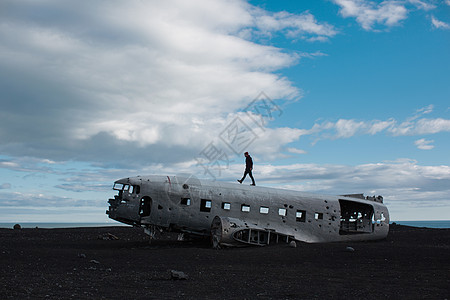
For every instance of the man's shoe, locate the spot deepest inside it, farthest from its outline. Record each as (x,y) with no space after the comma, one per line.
(252,184)
(240,181)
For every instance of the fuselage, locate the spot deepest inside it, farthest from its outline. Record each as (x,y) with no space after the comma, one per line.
(187,204)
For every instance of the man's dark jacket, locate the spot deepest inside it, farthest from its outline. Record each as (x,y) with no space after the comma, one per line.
(248,163)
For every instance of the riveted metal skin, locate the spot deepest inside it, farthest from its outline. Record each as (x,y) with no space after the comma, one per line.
(234,214)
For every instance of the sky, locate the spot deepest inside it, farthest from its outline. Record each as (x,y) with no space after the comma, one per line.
(328,96)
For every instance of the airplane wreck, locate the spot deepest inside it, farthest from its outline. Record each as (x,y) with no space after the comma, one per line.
(238,215)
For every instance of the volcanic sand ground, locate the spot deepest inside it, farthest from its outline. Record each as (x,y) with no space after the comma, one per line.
(88,263)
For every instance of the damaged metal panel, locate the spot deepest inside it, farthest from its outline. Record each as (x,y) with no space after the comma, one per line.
(247,215)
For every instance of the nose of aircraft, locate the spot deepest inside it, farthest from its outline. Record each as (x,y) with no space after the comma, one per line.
(125,206)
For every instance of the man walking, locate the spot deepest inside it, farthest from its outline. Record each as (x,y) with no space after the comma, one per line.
(248,168)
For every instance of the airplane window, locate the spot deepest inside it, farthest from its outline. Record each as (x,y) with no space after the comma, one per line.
(136,189)
(226,205)
(318,216)
(282,212)
(300,216)
(118,186)
(205,205)
(263,210)
(185,201)
(245,208)
(126,187)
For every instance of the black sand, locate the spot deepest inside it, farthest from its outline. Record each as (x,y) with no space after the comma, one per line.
(412,263)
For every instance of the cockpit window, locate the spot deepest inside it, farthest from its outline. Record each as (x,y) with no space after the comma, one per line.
(118,186)
(135,189)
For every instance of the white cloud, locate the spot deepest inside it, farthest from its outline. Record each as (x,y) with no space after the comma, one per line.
(83,187)
(389,13)
(313,55)
(27,164)
(424,144)
(43,200)
(304,25)
(8,164)
(145,73)
(296,151)
(347,128)
(425,110)
(270,142)
(439,24)
(378,126)
(368,13)
(422,5)
(421,126)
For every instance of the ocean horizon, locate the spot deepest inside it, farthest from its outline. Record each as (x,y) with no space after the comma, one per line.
(48,225)
(428,224)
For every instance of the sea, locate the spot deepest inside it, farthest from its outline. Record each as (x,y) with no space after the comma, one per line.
(428,224)
(59,225)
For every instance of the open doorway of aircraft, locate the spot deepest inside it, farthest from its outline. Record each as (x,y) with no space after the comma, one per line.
(237,215)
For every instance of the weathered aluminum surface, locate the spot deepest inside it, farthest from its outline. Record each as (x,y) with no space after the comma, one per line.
(187,204)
